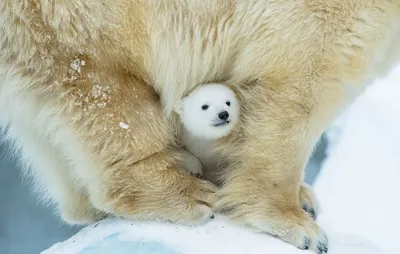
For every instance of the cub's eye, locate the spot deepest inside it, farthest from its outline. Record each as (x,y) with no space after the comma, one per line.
(228,103)
(204,107)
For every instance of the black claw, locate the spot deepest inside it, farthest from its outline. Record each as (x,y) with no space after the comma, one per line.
(313,214)
(306,243)
(325,248)
(306,208)
(322,248)
(212,216)
(326,244)
(310,210)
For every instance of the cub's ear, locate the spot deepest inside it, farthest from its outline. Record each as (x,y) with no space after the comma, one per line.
(179,107)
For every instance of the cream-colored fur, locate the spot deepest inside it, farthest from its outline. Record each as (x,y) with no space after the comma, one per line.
(97,132)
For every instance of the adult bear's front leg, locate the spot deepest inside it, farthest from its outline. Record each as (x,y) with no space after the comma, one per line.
(281,124)
(121,149)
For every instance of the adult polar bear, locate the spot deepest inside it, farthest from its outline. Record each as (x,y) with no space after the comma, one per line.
(76,94)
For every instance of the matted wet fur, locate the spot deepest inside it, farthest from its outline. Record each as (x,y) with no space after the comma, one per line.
(81,83)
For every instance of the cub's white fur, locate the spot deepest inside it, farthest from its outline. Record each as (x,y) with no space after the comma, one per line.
(208,113)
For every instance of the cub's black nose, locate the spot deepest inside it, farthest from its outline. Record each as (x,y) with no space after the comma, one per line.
(223,115)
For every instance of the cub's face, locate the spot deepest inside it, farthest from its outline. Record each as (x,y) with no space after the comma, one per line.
(211,111)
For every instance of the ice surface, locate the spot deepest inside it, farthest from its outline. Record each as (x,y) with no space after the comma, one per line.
(215,237)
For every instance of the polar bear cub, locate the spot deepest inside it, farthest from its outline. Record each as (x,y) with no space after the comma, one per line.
(208,113)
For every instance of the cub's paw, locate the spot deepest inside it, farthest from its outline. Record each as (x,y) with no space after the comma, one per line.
(191,164)
(195,169)
(308,201)
(196,174)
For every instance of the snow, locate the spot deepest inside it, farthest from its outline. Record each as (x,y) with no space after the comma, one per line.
(212,238)
(359,184)
(123,125)
(358,189)
(76,65)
